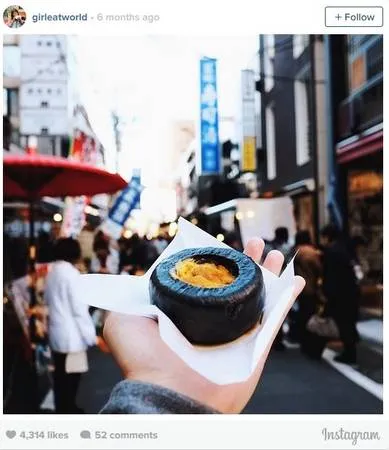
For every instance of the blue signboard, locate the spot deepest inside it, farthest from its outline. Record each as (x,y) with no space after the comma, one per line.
(127,201)
(209,122)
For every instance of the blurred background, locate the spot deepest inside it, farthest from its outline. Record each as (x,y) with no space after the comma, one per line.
(240,136)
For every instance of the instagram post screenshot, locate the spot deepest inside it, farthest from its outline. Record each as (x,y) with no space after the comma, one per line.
(192,225)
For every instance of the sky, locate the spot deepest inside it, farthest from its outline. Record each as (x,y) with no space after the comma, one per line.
(152,82)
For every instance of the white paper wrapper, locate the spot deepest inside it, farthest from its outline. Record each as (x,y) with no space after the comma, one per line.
(225,364)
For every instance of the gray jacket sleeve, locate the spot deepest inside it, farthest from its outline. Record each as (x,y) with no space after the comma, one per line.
(133,397)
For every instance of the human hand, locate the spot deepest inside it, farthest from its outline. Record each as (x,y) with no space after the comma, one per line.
(142,355)
(100,343)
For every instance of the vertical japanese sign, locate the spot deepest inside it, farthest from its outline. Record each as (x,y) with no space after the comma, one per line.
(249,147)
(82,149)
(74,216)
(209,121)
(124,204)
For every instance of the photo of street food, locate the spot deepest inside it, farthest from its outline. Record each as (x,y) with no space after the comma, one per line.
(223,198)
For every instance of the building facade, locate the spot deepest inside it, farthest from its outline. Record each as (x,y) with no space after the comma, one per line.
(41,100)
(356,88)
(41,95)
(292,159)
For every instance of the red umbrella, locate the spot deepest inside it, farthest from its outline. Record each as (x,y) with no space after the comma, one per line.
(34,176)
(31,176)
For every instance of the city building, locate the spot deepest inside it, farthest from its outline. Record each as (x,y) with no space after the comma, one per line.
(42,99)
(41,95)
(195,191)
(355,74)
(293,154)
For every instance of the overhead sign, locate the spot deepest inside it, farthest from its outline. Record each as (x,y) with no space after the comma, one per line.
(249,146)
(127,201)
(209,121)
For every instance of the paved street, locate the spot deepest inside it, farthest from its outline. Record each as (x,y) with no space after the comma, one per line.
(290,384)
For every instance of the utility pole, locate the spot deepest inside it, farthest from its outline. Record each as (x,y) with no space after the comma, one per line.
(314,144)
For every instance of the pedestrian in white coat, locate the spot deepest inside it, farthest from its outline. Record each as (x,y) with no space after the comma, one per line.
(71,329)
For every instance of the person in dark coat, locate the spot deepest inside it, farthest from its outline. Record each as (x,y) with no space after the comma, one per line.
(308,265)
(139,256)
(341,290)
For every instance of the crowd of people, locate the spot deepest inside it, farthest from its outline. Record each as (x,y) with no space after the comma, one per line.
(330,270)
(332,273)
(73,327)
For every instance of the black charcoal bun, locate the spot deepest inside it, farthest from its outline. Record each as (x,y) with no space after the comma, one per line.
(210,316)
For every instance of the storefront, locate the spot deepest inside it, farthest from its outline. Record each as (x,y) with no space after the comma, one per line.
(361,168)
(16,231)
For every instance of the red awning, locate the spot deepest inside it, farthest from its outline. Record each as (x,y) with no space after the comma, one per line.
(361,147)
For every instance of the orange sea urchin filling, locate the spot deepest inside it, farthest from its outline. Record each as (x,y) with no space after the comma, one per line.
(204,274)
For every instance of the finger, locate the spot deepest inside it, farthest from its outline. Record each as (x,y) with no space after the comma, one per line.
(254,249)
(299,284)
(125,337)
(274,262)
(133,326)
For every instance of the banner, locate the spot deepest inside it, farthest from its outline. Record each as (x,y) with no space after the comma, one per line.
(249,148)
(209,122)
(74,216)
(83,148)
(127,201)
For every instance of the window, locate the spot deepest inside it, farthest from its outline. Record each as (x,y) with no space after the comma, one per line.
(5,102)
(14,102)
(11,99)
(355,41)
(374,59)
(357,72)
(365,56)
(46,145)
(269,53)
(300,43)
(301,108)
(11,61)
(270,143)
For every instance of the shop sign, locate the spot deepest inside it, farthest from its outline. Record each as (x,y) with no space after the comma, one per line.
(249,148)
(127,201)
(209,121)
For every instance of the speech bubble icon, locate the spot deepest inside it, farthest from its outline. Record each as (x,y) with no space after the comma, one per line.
(85,434)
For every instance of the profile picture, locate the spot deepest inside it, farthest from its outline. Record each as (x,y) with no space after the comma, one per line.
(14,16)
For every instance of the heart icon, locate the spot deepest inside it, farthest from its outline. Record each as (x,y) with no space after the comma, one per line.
(10,434)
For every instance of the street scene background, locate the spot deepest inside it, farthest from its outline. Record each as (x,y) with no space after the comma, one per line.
(275,136)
